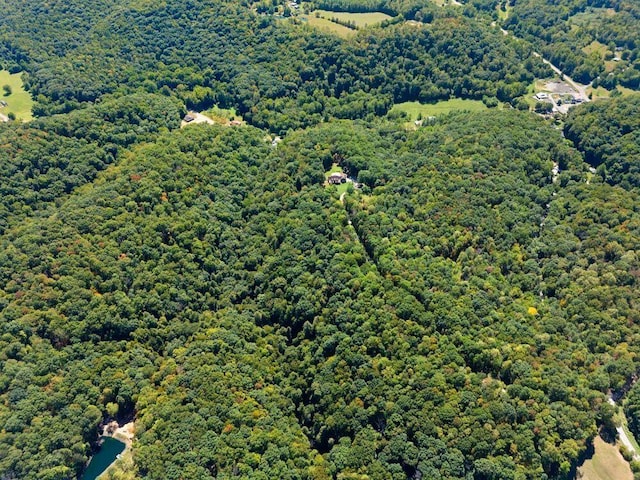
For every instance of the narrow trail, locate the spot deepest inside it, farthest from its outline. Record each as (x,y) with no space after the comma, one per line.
(371,257)
(358,236)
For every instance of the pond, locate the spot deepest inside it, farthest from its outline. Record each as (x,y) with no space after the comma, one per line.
(108,452)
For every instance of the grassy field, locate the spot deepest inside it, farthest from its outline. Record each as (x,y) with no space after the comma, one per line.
(413,109)
(360,19)
(20,101)
(597,93)
(443,3)
(610,65)
(602,92)
(625,91)
(591,15)
(343,187)
(503,14)
(601,49)
(606,464)
(533,87)
(222,115)
(327,26)
(335,168)
(596,46)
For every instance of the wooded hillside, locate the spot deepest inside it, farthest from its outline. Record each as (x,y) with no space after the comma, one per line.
(459,309)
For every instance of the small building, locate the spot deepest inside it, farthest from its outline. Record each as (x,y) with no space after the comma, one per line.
(337,178)
(235,123)
(541,96)
(189,118)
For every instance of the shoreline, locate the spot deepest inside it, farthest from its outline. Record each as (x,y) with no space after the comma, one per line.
(124,433)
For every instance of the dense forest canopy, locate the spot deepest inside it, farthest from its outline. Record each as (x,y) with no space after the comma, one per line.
(609,135)
(277,75)
(219,290)
(458,310)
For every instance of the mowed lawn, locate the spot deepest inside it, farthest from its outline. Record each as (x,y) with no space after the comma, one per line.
(360,19)
(413,109)
(222,115)
(327,26)
(602,92)
(20,101)
(606,464)
(335,168)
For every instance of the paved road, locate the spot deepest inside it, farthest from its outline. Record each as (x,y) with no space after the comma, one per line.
(624,438)
(578,87)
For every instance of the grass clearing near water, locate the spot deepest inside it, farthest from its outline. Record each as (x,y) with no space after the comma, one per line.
(413,109)
(19,102)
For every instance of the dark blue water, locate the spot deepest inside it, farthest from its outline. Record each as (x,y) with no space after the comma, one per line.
(105,457)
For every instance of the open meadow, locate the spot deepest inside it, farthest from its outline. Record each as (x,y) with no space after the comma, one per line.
(360,20)
(414,109)
(327,26)
(19,101)
(607,463)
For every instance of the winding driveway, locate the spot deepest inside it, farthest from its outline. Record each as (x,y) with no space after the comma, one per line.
(624,438)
